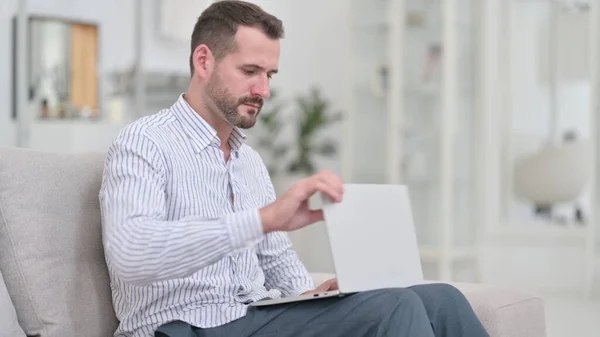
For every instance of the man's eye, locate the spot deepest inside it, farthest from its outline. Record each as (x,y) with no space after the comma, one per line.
(248,72)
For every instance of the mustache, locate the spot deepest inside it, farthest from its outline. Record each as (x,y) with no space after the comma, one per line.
(252,100)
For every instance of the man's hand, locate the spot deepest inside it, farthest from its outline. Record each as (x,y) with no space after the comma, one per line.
(291,212)
(326,286)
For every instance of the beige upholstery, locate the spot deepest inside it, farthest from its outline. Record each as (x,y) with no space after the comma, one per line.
(53,265)
(51,252)
(506,312)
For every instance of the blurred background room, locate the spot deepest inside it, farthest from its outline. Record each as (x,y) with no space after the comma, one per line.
(487,109)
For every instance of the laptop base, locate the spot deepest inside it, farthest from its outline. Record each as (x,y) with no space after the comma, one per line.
(301,298)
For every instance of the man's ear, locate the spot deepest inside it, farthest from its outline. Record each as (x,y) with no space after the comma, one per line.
(203,60)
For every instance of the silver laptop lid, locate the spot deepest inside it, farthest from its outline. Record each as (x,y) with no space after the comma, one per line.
(372,238)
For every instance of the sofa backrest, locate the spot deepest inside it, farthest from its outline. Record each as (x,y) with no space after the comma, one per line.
(51,252)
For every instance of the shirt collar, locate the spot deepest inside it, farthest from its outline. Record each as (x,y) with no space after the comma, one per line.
(202,133)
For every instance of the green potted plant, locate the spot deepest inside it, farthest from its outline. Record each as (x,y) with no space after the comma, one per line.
(307,142)
(290,147)
(314,115)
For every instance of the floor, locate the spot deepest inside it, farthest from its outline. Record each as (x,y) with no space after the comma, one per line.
(572,317)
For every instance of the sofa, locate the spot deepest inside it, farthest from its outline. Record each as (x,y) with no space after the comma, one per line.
(53,277)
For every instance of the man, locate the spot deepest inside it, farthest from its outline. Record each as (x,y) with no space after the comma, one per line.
(193,233)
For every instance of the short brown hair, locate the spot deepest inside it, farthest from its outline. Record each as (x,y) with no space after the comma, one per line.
(217,25)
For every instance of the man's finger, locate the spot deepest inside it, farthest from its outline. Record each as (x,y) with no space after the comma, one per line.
(333,182)
(330,284)
(323,187)
(316,215)
(323,287)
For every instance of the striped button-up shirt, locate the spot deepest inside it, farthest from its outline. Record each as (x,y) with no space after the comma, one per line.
(182,233)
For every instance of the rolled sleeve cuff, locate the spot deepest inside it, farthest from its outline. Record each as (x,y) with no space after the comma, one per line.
(245,229)
(301,286)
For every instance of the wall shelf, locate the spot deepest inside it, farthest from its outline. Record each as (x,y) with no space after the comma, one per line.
(416,115)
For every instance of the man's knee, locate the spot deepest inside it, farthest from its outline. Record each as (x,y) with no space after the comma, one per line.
(441,293)
(393,310)
(387,300)
(445,290)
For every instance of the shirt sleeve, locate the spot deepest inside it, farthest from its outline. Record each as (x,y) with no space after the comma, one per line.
(140,245)
(283,270)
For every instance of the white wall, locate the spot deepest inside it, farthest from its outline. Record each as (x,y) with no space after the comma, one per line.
(530,89)
(72,136)
(161,53)
(529,79)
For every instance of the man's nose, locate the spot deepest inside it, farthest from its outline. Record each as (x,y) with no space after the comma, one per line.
(262,89)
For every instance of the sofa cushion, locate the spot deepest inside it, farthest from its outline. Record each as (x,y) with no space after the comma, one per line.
(9,325)
(506,312)
(51,252)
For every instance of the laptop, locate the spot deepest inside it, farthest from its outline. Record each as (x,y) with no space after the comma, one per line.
(373,241)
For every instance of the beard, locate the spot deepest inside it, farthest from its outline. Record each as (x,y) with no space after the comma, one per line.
(227,104)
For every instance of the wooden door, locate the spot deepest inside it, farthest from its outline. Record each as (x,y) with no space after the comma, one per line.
(84,60)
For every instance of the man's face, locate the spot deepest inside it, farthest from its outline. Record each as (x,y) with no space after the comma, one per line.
(240,81)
